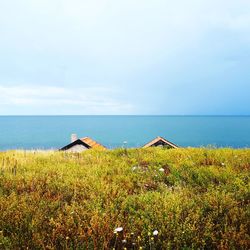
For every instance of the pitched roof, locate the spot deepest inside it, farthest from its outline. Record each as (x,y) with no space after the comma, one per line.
(86,142)
(160,139)
(76,142)
(92,143)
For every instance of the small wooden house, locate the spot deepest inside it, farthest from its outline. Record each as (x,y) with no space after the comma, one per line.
(160,142)
(82,144)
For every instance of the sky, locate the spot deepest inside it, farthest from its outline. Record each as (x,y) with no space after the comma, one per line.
(114,57)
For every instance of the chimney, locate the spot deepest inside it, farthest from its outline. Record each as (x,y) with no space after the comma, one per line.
(73,137)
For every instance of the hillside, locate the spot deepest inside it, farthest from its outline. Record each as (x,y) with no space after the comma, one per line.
(194,198)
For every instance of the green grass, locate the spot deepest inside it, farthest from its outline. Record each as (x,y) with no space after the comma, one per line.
(75,201)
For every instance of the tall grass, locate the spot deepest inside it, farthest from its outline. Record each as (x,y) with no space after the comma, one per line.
(194,198)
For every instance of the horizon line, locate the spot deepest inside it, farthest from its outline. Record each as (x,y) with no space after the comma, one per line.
(42,115)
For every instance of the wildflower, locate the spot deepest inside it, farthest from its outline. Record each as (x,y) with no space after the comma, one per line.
(67,237)
(161,169)
(118,229)
(155,232)
(124,241)
(222,164)
(134,168)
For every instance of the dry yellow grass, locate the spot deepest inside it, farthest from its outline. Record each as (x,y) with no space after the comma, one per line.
(194,198)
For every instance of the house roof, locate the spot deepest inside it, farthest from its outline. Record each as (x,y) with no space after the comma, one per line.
(86,142)
(76,142)
(158,139)
(92,144)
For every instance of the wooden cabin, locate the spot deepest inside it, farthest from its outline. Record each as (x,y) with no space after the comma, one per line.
(82,144)
(160,142)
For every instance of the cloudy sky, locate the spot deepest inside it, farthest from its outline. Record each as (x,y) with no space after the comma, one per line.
(125,57)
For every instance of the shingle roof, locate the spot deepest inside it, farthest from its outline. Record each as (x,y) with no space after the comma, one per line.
(92,143)
(158,139)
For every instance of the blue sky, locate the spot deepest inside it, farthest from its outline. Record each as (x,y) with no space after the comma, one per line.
(125,57)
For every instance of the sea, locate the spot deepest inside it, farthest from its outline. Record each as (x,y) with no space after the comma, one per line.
(54,132)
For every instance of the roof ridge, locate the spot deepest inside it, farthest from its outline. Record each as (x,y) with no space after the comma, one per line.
(157,139)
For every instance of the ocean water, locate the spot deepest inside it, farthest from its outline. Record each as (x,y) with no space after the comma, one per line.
(46,132)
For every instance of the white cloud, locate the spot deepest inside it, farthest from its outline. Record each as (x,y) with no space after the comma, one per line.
(145,48)
(52,99)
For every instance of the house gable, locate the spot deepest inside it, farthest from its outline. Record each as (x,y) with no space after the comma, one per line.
(77,145)
(160,142)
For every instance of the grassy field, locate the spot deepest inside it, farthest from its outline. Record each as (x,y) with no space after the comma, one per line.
(194,198)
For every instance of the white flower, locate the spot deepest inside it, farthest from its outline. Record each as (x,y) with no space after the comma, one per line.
(161,169)
(155,232)
(118,229)
(134,168)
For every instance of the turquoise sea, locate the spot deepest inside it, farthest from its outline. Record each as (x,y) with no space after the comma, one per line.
(46,132)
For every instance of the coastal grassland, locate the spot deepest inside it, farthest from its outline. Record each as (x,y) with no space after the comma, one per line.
(195,198)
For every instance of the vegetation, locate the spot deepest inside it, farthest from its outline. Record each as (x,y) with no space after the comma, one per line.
(135,199)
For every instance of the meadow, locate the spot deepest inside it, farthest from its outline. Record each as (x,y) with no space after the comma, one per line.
(125,199)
